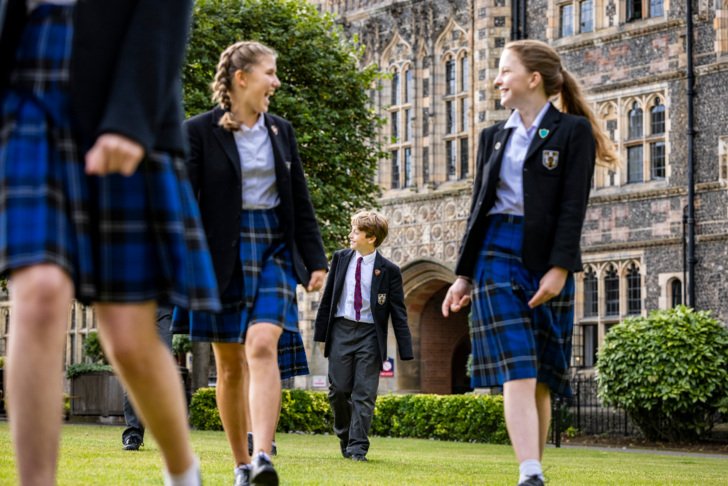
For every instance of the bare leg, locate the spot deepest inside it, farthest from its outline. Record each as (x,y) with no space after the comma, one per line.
(261,347)
(232,397)
(543,403)
(129,335)
(522,419)
(40,297)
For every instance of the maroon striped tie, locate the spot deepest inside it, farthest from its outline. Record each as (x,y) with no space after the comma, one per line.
(357,289)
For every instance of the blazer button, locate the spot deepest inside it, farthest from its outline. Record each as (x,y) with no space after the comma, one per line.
(232,245)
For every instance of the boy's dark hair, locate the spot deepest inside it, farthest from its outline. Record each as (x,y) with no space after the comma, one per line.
(372,223)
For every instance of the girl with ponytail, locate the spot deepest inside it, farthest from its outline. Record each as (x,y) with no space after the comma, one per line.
(264,239)
(521,245)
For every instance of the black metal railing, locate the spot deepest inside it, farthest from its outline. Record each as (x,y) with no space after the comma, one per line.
(585,414)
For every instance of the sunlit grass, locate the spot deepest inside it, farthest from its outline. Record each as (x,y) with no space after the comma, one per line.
(92,455)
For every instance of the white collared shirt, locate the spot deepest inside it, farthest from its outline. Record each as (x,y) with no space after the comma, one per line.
(345,307)
(257,166)
(509,192)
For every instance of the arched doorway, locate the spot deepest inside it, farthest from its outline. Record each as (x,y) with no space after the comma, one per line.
(459,370)
(438,342)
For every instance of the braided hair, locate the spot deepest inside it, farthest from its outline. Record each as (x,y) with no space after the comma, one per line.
(243,56)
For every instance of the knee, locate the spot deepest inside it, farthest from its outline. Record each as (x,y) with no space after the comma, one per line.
(261,346)
(127,354)
(230,373)
(40,294)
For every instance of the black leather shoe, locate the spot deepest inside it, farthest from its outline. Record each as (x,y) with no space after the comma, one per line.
(344,452)
(532,481)
(242,475)
(359,458)
(132,442)
(262,471)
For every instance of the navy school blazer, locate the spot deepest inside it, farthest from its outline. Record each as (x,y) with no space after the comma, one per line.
(214,170)
(125,69)
(386,300)
(557,175)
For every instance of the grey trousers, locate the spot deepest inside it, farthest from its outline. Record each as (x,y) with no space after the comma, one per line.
(354,365)
(133,425)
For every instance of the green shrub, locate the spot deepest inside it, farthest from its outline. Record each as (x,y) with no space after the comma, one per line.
(203,410)
(669,371)
(83,368)
(468,418)
(92,348)
(304,411)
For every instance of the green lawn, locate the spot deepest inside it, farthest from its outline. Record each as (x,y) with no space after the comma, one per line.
(92,455)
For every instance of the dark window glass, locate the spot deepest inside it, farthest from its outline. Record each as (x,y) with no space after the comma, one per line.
(657,160)
(464,74)
(676,293)
(586,16)
(395,169)
(657,8)
(635,121)
(450,77)
(395,126)
(611,290)
(451,155)
(408,167)
(395,88)
(426,165)
(591,297)
(657,118)
(450,116)
(634,290)
(463,158)
(634,10)
(634,164)
(591,345)
(567,20)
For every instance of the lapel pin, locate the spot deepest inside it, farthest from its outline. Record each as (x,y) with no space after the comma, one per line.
(377,272)
(497,145)
(274,129)
(543,132)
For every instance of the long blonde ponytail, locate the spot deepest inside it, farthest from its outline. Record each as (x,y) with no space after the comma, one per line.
(537,56)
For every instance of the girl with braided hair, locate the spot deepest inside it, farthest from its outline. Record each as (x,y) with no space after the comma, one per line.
(521,245)
(264,239)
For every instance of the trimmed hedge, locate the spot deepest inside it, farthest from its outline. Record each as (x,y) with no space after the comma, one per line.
(466,418)
(669,371)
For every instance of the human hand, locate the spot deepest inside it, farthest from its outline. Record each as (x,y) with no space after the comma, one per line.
(457,297)
(549,287)
(317,280)
(114,153)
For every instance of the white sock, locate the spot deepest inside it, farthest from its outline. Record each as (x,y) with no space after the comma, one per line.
(191,477)
(528,468)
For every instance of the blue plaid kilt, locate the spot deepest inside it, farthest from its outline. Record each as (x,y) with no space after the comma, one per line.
(120,239)
(263,289)
(509,340)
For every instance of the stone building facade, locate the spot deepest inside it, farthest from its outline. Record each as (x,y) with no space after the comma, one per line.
(441,57)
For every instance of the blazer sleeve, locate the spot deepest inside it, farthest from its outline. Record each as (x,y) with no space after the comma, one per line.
(399,315)
(574,196)
(148,68)
(324,310)
(193,161)
(307,232)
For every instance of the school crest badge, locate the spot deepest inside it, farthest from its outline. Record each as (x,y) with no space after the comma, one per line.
(288,165)
(381,299)
(550,159)
(274,129)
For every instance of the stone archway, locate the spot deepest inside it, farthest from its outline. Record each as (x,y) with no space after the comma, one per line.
(436,340)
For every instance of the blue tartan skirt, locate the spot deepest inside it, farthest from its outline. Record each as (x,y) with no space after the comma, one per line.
(263,289)
(120,239)
(511,341)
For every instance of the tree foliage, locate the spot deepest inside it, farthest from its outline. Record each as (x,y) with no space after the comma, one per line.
(669,371)
(323,94)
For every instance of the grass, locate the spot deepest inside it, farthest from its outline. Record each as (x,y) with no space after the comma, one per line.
(92,455)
